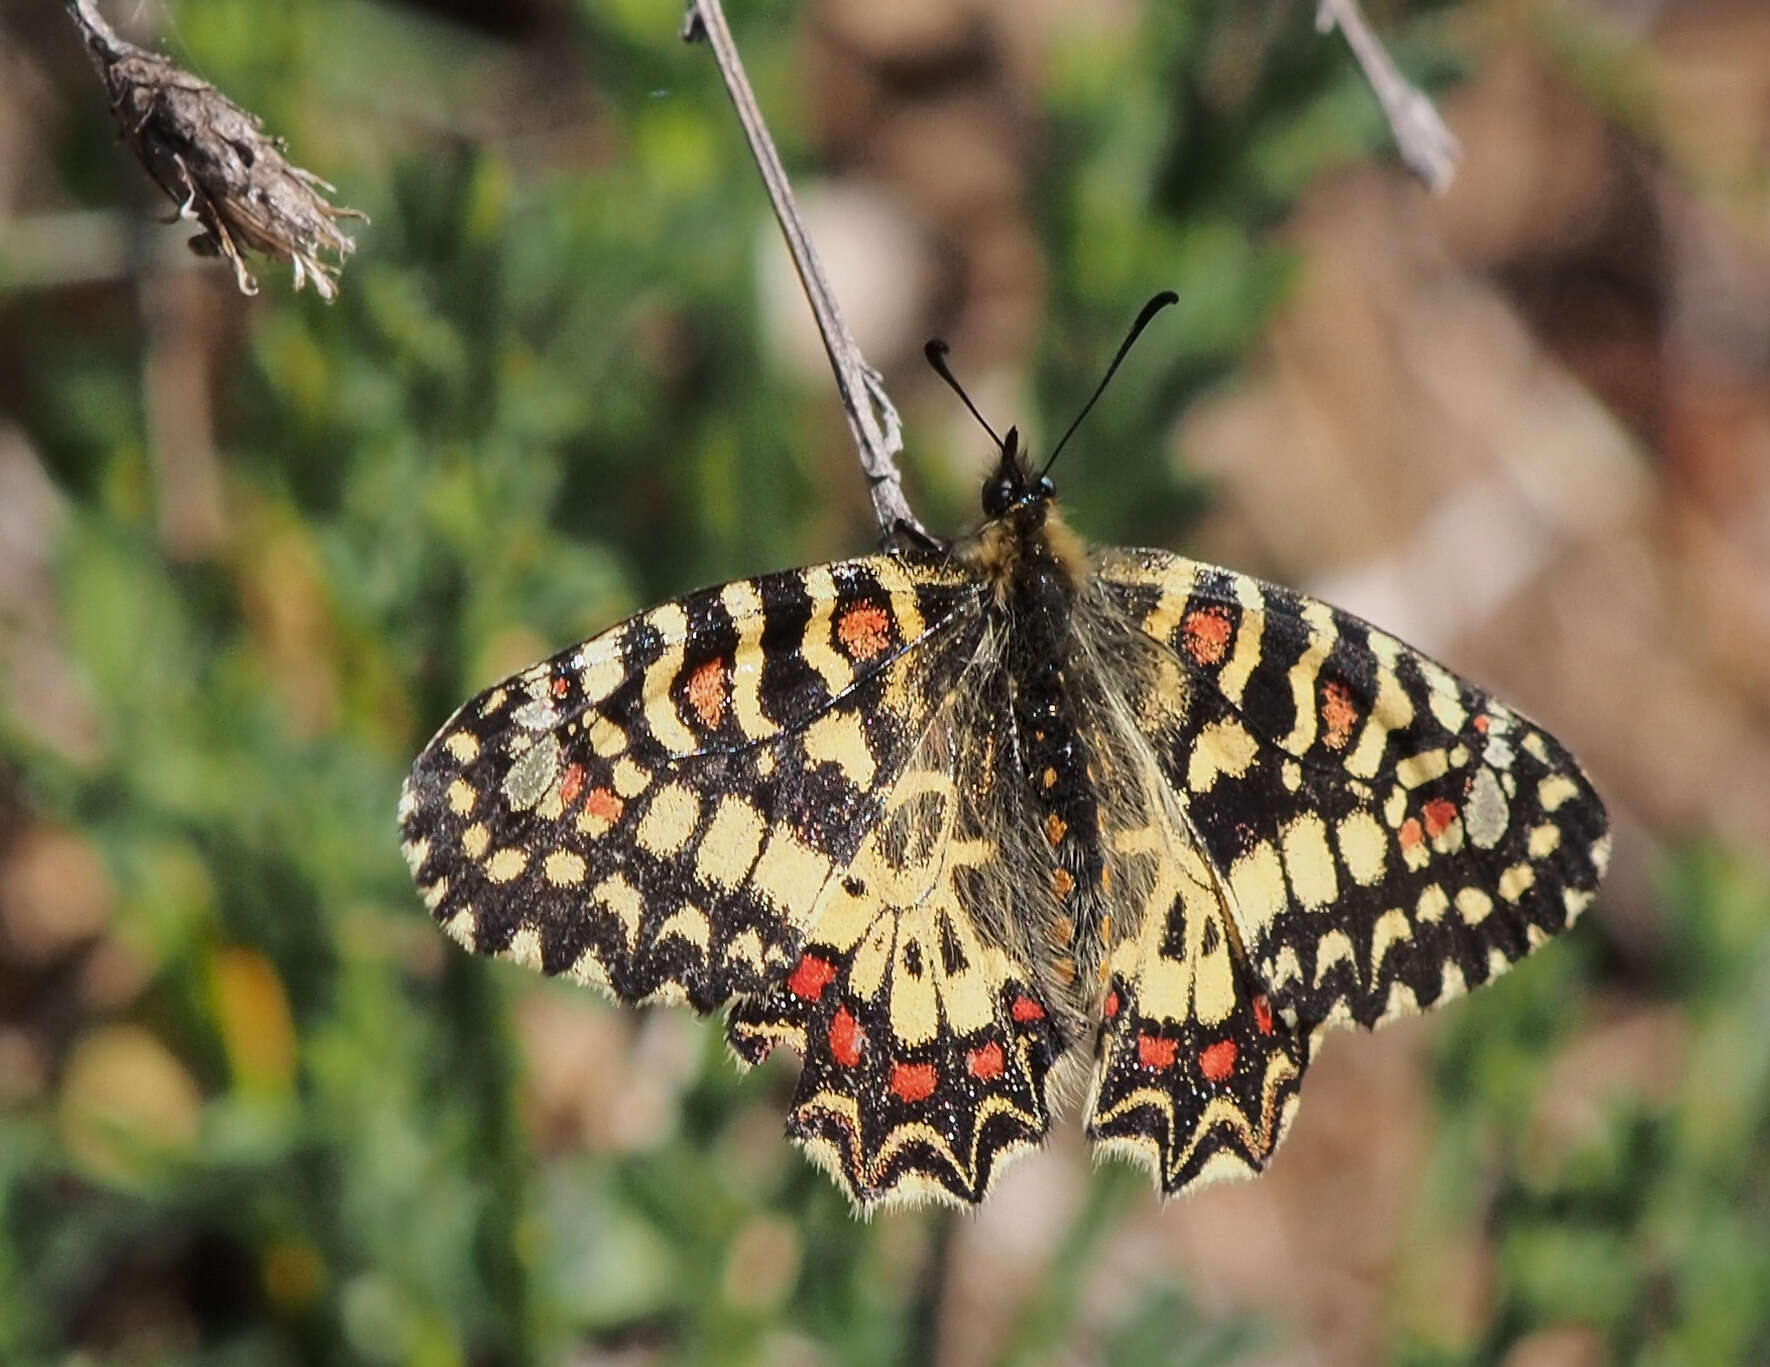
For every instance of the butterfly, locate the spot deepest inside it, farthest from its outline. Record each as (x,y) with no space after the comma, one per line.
(956,822)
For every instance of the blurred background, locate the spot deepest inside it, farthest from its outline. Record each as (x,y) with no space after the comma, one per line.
(255,1109)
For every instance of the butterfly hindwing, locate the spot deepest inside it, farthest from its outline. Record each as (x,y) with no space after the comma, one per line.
(1385,834)
(1197,1076)
(924,1043)
(660,810)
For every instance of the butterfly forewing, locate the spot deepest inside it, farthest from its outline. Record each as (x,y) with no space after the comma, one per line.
(1385,834)
(659,810)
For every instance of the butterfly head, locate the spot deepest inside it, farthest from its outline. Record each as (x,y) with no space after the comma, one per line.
(1012,484)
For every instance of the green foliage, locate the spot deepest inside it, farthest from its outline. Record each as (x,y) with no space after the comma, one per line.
(1650,1232)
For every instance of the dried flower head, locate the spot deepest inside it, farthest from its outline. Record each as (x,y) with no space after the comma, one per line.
(217,163)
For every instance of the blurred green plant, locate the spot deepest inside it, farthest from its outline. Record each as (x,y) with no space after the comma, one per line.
(1650,1233)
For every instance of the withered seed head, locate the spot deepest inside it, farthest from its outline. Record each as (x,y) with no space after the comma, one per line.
(217,163)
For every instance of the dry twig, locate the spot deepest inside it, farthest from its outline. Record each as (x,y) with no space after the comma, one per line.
(216,162)
(1428,147)
(878,434)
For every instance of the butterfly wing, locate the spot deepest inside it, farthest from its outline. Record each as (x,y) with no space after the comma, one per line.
(660,810)
(924,1041)
(1196,1076)
(1384,834)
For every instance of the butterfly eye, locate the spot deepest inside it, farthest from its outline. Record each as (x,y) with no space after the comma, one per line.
(1046,488)
(998,497)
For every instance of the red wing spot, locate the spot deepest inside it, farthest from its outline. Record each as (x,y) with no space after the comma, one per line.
(1026,1009)
(810,978)
(561,687)
(1263,1014)
(1217,1061)
(1112,1003)
(604,804)
(571,785)
(1207,636)
(986,1062)
(913,1081)
(1481,723)
(706,693)
(864,631)
(846,1039)
(1410,834)
(1155,1052)
(1440,812)
(1339,714)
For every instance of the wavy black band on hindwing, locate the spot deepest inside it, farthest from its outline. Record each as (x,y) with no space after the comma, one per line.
(658,810)
(1388,835)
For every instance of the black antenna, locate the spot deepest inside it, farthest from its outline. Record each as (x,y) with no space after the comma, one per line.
(1153,307)
(936,351)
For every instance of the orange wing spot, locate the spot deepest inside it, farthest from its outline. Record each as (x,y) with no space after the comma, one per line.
(1055,828)
(986,1062)
(1410,834)
(1063,883)
(571,785)
(561,687)
(1263,1014)
(846,1038)
(1048,779)
(1026,1009)
(1217,1061)
(1207,636)
(1111,1008)
(1339,714)
(1155,1052)
(604,804)
(865,631)
(1106,883)
(810,978)
(1481,722)
(707,692)
(1440,812)
(913,1081)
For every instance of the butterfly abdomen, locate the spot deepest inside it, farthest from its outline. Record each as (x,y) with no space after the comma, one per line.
(1036,583)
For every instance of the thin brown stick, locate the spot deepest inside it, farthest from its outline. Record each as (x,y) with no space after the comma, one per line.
(1428,147)
(873,421)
